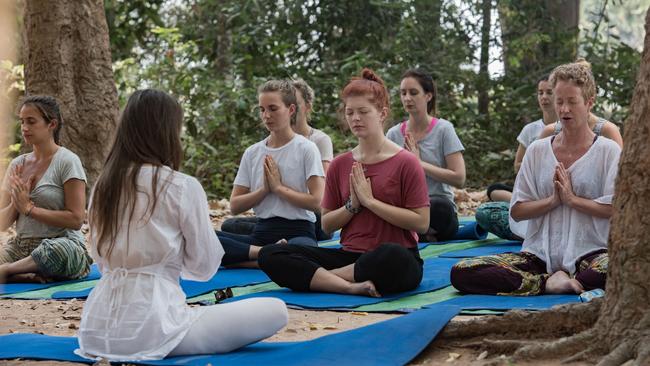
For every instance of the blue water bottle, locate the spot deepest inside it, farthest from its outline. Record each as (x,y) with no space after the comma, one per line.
(590,295)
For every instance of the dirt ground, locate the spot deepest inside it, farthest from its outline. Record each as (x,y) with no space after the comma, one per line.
(62,317)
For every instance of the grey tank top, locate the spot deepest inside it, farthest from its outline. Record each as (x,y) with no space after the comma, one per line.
(598,127)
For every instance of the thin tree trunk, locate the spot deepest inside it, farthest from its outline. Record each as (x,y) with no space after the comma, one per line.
(483,74)
(67,55)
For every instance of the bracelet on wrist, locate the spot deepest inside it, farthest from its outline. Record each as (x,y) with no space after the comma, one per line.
(349,208)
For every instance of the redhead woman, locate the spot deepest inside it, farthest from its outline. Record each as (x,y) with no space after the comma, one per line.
(376,194)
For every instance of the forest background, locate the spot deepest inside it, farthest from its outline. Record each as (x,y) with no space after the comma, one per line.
(486,57)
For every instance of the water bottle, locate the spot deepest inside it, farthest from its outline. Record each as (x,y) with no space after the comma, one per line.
(590,295)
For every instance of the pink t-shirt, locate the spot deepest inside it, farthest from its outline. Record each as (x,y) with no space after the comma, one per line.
(398,181)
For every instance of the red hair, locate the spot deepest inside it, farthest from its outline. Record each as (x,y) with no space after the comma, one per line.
(369,84)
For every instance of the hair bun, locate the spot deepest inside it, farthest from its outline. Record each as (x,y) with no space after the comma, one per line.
(370,75)
(582,62)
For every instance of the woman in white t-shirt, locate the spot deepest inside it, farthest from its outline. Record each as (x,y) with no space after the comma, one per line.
(280,177)
(434,142)
(149,226)
(564,190)
(305,100)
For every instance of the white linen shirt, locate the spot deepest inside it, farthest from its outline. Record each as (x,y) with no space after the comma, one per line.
(137,310)
(563,235)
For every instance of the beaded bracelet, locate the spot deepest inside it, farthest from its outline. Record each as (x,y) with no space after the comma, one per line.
(348,206)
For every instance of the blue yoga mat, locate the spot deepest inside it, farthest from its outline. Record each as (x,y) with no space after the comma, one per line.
(435,276)
(509,246)
(470,230)
(489,302)
(326,244)
(396,341)
(13,288)
(223,279)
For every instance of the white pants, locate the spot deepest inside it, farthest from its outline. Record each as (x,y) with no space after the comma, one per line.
(226,327)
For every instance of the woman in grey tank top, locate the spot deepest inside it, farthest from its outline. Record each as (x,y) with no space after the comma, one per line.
(599,125)
(44,194)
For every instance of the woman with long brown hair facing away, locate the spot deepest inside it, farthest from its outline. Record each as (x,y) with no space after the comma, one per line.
(377,195)
(149,226)
(44,193)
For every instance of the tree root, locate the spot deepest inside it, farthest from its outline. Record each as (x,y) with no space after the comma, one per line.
(560,321)
(581,356)
(643,354)
(620,355)
(560,347)
(499,346)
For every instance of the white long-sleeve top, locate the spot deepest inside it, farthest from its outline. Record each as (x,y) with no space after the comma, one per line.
(137,310)
(563,235)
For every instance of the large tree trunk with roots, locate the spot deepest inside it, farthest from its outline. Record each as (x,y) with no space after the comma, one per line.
(67,55)
(617,330)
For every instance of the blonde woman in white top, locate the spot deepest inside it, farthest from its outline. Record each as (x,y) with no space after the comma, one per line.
(150,226)
(304,97)
(564,189)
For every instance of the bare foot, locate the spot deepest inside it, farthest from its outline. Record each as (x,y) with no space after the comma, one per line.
(561,283)
(366,288)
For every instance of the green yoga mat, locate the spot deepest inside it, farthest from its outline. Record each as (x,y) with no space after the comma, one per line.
(46,293)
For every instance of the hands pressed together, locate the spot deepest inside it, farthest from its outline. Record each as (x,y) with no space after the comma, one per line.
(272,176)
(360,187)
(563,192)
(411,145)
(20,190)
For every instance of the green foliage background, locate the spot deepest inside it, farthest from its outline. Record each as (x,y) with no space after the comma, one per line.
(212,55)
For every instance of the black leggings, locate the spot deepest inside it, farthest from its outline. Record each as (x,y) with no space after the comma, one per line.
(266,231)
(245,225)
(391,267)
(442,218)
(497,187)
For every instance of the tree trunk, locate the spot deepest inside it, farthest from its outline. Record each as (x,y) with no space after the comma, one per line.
(622,330)
(483,73)
(67,55)
(7,52)
(626,312)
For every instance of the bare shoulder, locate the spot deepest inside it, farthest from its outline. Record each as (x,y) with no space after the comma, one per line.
(612,132)
(547,130)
